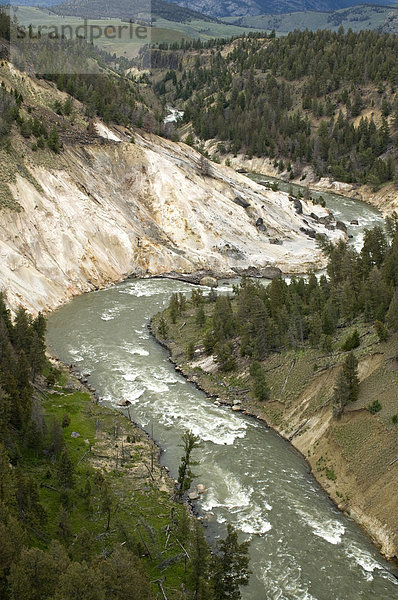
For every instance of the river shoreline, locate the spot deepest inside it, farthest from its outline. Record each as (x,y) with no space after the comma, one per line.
(385,199)
(248,411)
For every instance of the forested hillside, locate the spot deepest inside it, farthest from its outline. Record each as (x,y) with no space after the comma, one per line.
(94,78)
(324,99)
(359,17)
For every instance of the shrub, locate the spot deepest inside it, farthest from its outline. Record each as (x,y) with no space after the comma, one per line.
(381,331)
(190,351)
(375,407)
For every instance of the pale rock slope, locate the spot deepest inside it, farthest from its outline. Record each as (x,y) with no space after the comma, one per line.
(114,208)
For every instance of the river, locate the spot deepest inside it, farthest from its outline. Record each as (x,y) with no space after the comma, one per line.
(302,547)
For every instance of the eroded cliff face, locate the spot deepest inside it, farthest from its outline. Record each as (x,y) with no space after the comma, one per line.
(114,208)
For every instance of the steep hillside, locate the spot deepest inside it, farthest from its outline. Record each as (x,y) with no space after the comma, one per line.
(227,8)
(103,208)
(123,9)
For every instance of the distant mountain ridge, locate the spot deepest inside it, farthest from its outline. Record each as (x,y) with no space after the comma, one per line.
(362,16)
(128,9)
(231,8)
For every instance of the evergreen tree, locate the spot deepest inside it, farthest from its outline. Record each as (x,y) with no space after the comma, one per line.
(65,471)
(200,316)
(392,314)
(199,575)
(260,387)
(230,567)
(185,474)
(53,140)
(163,329)
(347,386)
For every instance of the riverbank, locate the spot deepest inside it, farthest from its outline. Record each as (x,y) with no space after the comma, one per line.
(384,199)
(351,458)
(135,506)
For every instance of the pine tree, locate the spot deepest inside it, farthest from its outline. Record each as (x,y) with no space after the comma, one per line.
(225,358)
(392,314)
(53,140)
(260,386)
(65,471)
(163,329)
(230,567)
(200,556)
(200,316)
(185,474)
(347,386)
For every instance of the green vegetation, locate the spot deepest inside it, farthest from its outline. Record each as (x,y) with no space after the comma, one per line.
(231,567)
(185,474)
(10,113)
(167,28)
(297,98)
(347,387)
(352,341)
(375,407)
(100,9)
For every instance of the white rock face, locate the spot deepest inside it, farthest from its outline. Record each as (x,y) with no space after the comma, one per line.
(117,208)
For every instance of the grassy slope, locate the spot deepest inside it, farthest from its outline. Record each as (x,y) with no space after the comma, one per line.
(350,457)
(123,453)
(358,18)
(162,30)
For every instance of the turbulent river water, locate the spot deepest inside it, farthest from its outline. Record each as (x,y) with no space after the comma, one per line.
(302,547)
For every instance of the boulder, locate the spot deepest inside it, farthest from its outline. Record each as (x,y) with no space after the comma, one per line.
(298,207)
(241,202)
(314,217)
(242,171)
(260,224)
(209,281)
(200,488)
(342,226)
(236,408)
(193,496)
(271,272)
(354,222)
